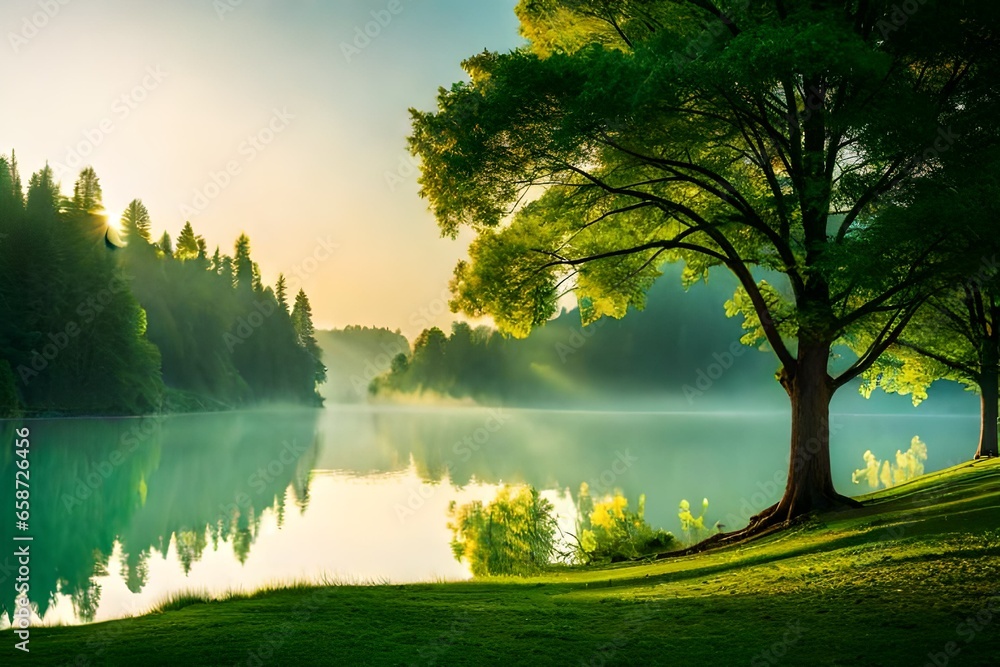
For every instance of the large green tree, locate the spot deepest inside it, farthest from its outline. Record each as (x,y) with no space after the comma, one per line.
(758,137)
(956,334)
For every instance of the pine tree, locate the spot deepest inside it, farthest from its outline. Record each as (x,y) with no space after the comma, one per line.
(303,325)
(242,264)
(187,244)
(16,178)
(11,201)
(281,291)
(226,270)
(44,200)
(135,222)
(165,246)
(258,283)
(87,195)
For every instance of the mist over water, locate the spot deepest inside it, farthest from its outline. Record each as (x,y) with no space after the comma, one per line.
(132,510)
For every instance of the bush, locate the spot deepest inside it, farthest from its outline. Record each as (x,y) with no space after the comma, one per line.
(607,531)
(513,535)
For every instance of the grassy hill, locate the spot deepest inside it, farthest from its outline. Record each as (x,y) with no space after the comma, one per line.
(911,579)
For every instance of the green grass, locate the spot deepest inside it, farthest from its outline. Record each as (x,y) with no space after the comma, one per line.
(890,584)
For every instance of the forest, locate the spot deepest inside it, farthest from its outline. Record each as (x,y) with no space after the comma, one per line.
(100,323)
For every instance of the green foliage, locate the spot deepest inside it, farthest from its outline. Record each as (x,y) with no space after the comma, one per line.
(647,352)
(858,570)
(280,287)
(693,526)
(355,356)
(85,329)
(135,222)
(302,323)
(189,246)
(789,139)
(514,534)
(71,331)
(908,465)
(607,531)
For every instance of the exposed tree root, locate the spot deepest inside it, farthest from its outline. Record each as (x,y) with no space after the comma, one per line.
(774,519)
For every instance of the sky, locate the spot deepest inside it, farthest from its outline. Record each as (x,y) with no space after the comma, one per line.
(281,119)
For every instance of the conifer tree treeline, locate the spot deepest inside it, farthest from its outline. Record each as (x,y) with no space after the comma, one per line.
(86,327)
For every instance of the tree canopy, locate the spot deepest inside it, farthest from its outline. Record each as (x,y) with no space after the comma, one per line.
(759,137)
(88,329)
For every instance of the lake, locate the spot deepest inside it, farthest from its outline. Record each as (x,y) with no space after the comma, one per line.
(125,512)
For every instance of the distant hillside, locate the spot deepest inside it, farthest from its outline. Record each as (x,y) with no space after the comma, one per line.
(677,353)
(680,353)
(354,356)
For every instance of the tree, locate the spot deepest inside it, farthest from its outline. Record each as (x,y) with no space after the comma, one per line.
(189,246)
(302,322)
(512,535)
(956,334)
(281,292)
(11,197)
(16,178)
(754,137)
(243,271)
(165,246)
(135,222)
(43,201)
(87,195)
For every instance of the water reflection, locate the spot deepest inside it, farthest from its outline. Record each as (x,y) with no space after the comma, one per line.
(138,484)
(127,511)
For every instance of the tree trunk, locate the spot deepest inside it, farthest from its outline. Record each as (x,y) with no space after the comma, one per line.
(989,392)
(810,481)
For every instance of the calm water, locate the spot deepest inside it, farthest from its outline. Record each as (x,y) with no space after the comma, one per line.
(125,512)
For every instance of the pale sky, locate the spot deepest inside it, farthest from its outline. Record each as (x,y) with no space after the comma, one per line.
(163,98)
